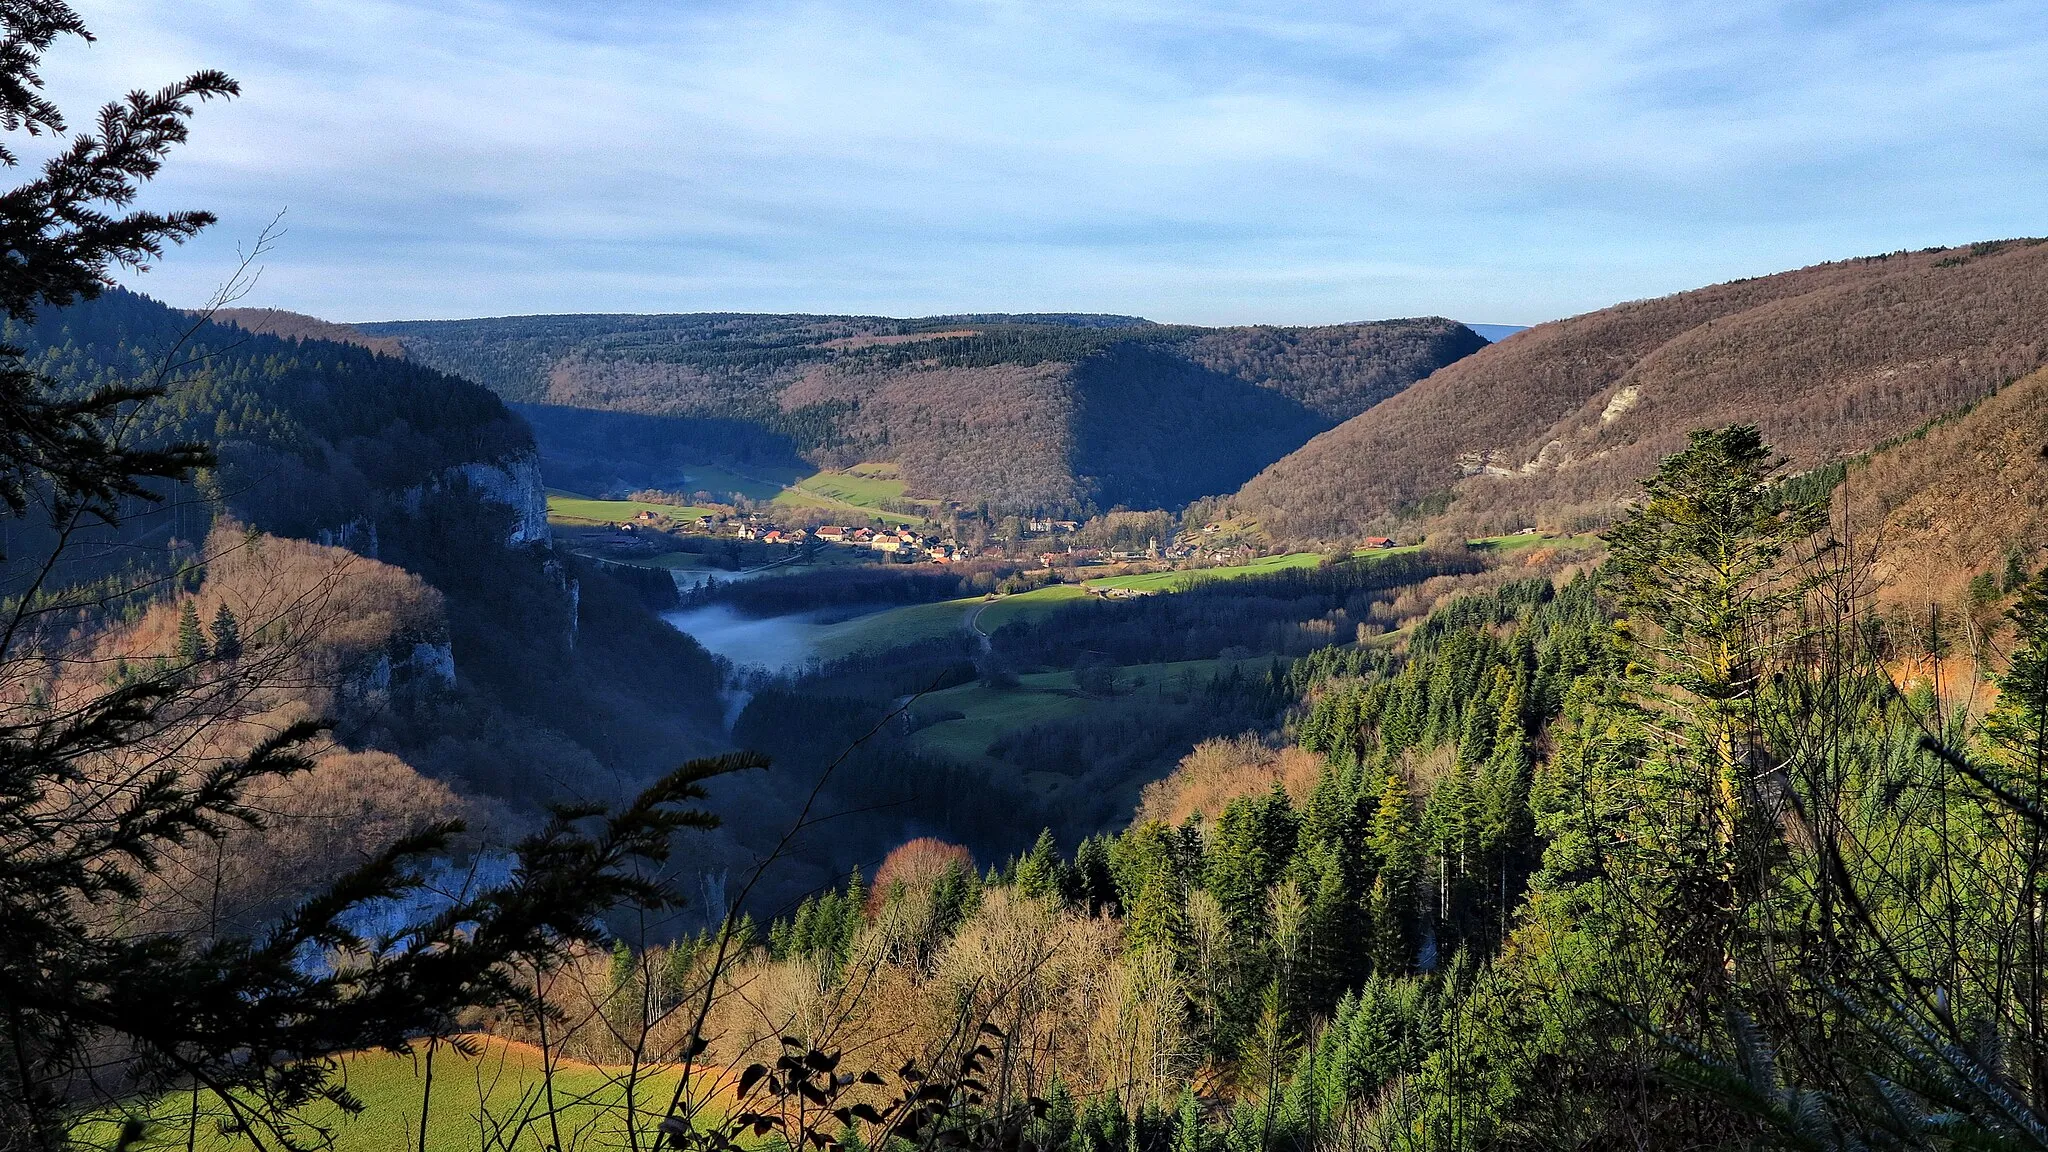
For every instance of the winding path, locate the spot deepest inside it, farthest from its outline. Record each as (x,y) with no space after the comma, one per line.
(973,624)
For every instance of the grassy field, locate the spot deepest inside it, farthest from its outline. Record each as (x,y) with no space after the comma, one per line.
(726,483)
(1265,565)
(861,491)
(677,560)
(863,485)
(987,713)
(895,627)
(571,510)
(499,1088)
(803,499)
(1035,604)
(1511,543)
(1170,581)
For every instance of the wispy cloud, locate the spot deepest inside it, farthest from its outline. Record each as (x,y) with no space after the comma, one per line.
(1206,162)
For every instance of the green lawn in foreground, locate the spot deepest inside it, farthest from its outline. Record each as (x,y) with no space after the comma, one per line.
(502,1082)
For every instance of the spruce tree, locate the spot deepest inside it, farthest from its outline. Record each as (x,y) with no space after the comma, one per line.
(1041,874)
(1396,846)
(191,641)
(227,633)
(1159,919)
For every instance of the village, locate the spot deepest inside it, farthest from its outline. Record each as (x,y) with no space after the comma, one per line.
(651,533)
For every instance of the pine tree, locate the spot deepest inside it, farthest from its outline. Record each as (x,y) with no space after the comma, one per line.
(1504,824)
(1255,841)
(1053,1129)
(1706,572)
(227,633)
(2018,724)
(1701,572)
(1451,820)
(1189,1132)
(191,641)
(622,1004)
(1159,919)
(1042,875)
(1395,845)
(1094,888)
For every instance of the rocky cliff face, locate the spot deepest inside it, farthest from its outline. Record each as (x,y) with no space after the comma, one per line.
(424,664)
(515,482)
(512,480)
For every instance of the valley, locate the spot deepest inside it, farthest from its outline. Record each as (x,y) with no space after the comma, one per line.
(937,724)
(1130,723)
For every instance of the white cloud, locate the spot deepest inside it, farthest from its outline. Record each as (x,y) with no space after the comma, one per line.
(1206,162)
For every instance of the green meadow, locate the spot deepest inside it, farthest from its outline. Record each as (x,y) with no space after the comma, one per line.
(495,1099)
(571,510)
(986,713)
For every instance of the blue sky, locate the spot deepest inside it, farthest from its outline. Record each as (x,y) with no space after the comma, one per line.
(1217,162)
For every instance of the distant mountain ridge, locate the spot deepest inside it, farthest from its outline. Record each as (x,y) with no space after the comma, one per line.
(299,326)
(1555,427)
(1036,412)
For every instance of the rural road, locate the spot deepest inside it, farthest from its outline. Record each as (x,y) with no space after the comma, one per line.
(974,623)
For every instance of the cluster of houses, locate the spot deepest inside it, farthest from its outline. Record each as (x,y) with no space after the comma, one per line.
(752,526)
(891,541)
(1040,526)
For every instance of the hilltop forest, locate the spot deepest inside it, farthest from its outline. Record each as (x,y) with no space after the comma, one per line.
(1043,414)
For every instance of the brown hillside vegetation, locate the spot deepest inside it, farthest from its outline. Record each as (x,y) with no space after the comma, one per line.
(298,326)
(1025,413)
(1219,771)
(1554,426)
(1960,499)
(323,633)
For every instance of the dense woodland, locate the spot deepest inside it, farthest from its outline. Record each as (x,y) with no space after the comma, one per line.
(1026,414)
(330,441)
(1673,855)
(311,435)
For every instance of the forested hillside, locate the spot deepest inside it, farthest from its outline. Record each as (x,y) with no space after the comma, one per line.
(299,326)
(1960,508)
(399,462)
(311,434)
(1551,427)
(1028,413)
(1700,850)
